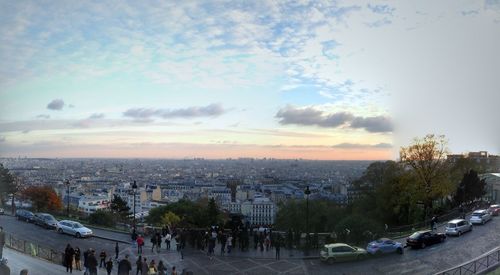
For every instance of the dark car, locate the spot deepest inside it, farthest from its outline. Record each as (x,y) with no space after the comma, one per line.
(421,239)
(24,215)
(45,220)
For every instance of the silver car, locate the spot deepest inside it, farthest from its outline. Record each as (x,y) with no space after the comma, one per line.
(480,216)
(73,228)
(457,227)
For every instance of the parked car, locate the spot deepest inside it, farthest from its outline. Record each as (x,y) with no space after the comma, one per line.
(384,245)
(457,226)
(24,215)
(339,252)
(480,217)
(73,228)
(421,239)
(45,220)
(494,209)
(2,211)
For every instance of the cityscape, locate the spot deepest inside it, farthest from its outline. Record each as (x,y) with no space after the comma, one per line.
(249,137)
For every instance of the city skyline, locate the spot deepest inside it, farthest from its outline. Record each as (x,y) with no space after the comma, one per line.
(327,80)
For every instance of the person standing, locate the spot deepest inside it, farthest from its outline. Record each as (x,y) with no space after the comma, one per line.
(168,238)
(162,270)
(69,254)
(145,266)
(153,242)
(102,256)
(138,265)
(174,272)
(117,251)
(85,259)
(78,257)
(92,263)
(140,243)
(229,244)
(277,247)
(124,266)
(152,270)
(2,242)
(158,242)
(109,266)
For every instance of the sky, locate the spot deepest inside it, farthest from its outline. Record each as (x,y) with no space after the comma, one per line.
(339,80)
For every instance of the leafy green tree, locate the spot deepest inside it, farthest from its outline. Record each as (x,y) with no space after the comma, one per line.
(471,187)
(119,207)
(9,185)
(353,229)
(102,217)
(426,157)
(213,212)
(170,219)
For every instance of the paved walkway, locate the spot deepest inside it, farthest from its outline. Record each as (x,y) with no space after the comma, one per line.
(18,261)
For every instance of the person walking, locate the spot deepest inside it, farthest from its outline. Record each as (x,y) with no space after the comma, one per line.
(78,257)
(229,244)
(109,266)
(162,269)
(153,241)
(102,256)
(69,254)
(140,243)
(223,240)
(117,251)
(168,238)
(2,241)
(158,242)
(138,265)
(92,263)
(174,272)
(85,260)
(124,267)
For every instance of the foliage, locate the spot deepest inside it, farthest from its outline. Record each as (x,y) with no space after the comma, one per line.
(43,198)
(9,185)
(426,158)
(119,207)
(212,212)
(358,229)
(170,219)
(323,215)
(191,214)
(470,188)
(102,217)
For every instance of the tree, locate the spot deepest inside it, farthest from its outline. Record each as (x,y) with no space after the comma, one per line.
(9,185)
(102,217)
(119,206)
(213,212)
(170,219)
(426,157)
(43,198)
(471,187)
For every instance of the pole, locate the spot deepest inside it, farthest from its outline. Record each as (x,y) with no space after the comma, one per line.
(134,209)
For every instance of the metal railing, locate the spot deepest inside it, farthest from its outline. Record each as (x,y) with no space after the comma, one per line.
(33,249)
(478,265)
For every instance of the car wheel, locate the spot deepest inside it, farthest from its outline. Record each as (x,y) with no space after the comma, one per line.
(399,250)
(459,233)
(360,257)
(422,245)
(59,231)
(378,253)
(78,235)
(331,260)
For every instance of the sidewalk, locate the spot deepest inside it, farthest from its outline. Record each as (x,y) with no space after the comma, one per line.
(18,261)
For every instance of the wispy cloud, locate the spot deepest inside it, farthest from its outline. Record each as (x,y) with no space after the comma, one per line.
(2,139)
(56,104)
(97,116)
(362,146)
(212,110)
(43,116)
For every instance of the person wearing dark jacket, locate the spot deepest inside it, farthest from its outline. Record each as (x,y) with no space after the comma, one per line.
(117,251)
(69,254)
(138,265)
(92,263)
(85,258)
(109,266)
(77,259)
(124,266)
(102,256)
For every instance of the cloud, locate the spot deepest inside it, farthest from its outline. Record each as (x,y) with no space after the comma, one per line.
(43,116)
(2,139)
(71,106)
(347,145)
(56,104)
(147,114)
(381,9)
(311,116)
(470,12)
(97,116)
(377,124)
(26,131)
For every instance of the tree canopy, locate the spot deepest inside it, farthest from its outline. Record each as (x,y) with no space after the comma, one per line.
(43,198)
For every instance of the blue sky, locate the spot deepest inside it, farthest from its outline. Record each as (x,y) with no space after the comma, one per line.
(287,79)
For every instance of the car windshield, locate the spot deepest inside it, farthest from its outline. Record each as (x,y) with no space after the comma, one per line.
(77,225)
(452,225)
(415,235)
(477,214)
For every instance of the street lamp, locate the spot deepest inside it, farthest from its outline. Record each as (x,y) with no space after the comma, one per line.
(134,188)
(67,198)
(307,192)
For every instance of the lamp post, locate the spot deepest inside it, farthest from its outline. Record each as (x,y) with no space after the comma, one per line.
(67,198)
(307,192)
(134,188)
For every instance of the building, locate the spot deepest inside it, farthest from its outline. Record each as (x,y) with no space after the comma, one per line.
(259,211)
(492,186)
(89,205)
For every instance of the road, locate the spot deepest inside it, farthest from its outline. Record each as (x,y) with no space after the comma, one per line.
(454,251)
